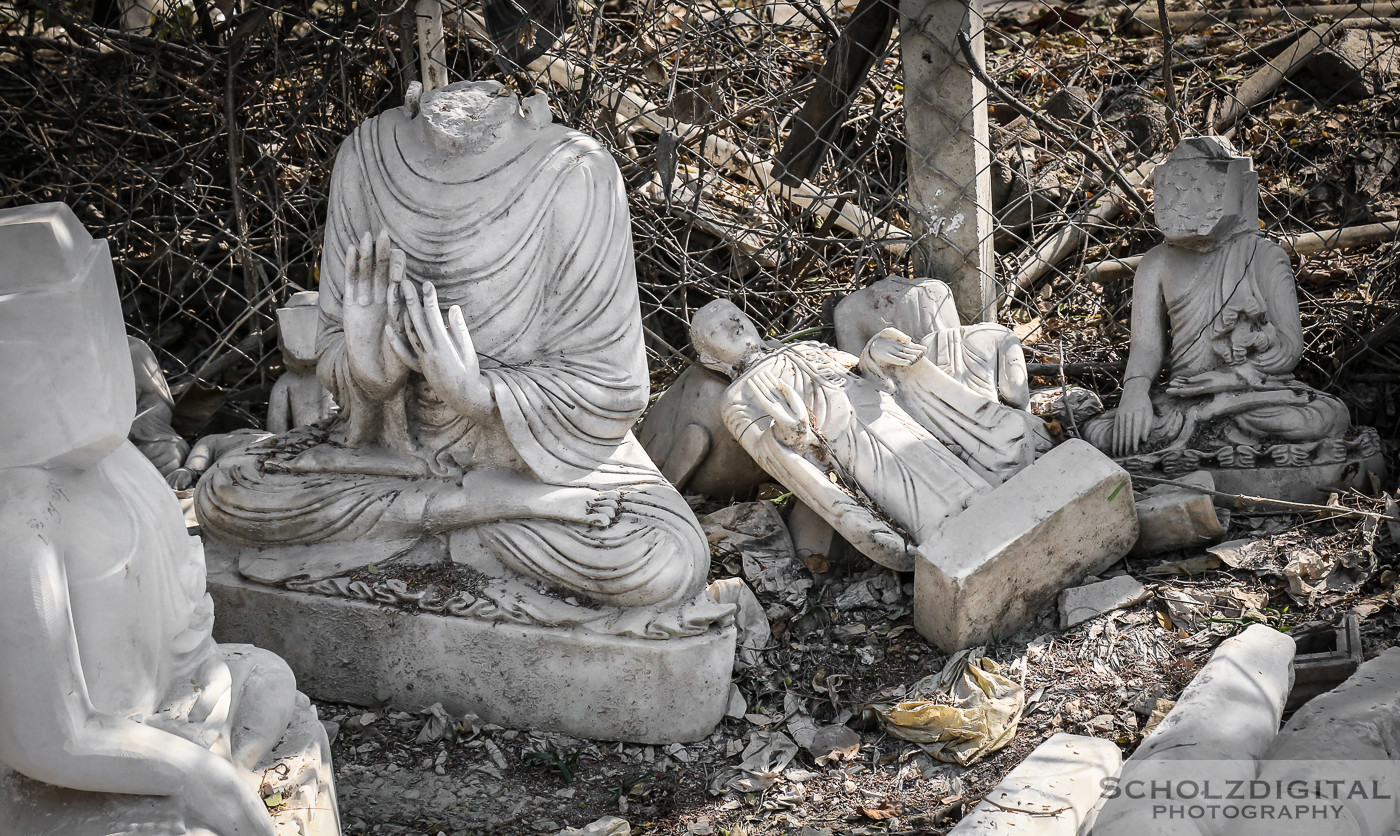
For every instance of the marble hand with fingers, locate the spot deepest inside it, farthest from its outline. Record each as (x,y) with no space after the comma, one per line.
(443,351)
(373,268)
(791,421)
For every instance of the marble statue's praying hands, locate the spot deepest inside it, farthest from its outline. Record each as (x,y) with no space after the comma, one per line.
(480,332)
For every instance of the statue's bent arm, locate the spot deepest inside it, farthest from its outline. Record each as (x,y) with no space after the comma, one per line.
(66,741)
(1149,326)
(1280,292)
(51,732)
(870,535)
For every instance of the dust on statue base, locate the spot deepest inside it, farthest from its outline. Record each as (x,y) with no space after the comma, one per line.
(1217,304)
(480,331)
(119,714)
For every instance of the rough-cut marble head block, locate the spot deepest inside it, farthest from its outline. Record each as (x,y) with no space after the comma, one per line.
(1206,189)
(297,325)
(69,394)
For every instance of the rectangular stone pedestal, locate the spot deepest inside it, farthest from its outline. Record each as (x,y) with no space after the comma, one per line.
(991,568)
(1309,483)
(521,676)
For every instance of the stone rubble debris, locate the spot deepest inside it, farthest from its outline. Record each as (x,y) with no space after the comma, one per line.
(1081,603)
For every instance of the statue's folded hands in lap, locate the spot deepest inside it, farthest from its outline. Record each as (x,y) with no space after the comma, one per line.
(1216,301)
(481,334)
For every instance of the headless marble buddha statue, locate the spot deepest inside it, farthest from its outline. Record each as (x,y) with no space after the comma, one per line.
(1217,302)
(839,441)
(480,331)
(116,705)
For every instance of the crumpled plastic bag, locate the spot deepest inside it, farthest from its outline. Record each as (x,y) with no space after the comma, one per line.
(755,531)
(764,760)
(750,621)
(960,714)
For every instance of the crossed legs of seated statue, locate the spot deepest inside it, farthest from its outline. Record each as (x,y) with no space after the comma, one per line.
(423,447)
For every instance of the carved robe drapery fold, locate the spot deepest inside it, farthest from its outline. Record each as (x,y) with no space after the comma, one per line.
(533,243)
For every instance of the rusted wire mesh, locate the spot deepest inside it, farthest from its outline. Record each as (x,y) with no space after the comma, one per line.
(763,146)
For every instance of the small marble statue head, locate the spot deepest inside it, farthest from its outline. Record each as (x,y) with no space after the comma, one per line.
(1206,192)
(68,391)
(297,325)
(474,115)
(724,337)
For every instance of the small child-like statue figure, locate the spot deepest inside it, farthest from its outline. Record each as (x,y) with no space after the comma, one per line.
(298,398)
(1218,301)
(118,711)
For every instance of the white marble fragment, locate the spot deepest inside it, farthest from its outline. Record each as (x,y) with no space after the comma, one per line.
(1349,734)
(1081,603)
(1051,793)
(1221,724)
(1171,518)
(993,566)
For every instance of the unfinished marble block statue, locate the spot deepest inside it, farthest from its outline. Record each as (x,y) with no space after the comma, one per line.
(298,398)
(1216,304)
(848,449)
(119,714)
(684,434)
(479,328)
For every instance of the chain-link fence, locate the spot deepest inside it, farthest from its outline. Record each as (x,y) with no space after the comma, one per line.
(764,149)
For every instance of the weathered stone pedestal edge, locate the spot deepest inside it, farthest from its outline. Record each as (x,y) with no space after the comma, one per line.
(519,676)
(1310,483)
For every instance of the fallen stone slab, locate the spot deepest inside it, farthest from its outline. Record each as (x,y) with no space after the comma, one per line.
(993,567)
(1081,603)
(1171,518)
(581,683)
(1342,746)
(1051,793)
(1222,723)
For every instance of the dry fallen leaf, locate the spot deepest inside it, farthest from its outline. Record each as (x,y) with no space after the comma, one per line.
(884,811)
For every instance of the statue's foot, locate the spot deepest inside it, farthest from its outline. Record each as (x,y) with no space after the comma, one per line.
(599,509)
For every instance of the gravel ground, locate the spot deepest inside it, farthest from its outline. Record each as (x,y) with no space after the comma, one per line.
(848,644)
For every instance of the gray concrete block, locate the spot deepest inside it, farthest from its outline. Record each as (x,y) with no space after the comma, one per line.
(993,567)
